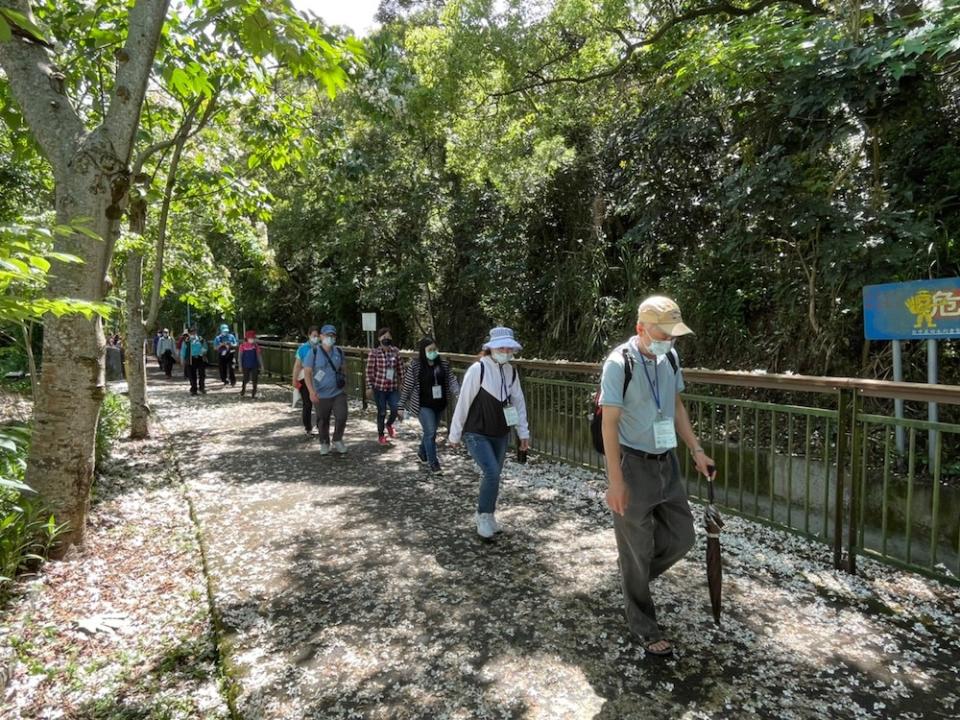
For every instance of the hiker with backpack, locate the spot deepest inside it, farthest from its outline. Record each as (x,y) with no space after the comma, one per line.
(324,373)
(193,355)
(427,387)
(226,344)
(490,406)
(641,415)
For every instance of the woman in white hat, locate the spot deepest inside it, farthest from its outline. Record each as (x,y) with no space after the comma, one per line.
(490,405)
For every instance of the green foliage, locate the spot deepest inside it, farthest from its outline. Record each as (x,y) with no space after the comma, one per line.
(112,424)
(27,533)
(500,162)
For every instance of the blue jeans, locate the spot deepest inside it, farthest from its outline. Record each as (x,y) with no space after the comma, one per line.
(428,446)
(383,398)
(489,453)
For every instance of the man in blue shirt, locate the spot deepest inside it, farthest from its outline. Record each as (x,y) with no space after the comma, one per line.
(313,339)
(193,355)
(324,374)
(226,345)
(651,514)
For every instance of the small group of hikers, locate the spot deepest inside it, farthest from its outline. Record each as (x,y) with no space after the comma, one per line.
(640,417)
(190,350)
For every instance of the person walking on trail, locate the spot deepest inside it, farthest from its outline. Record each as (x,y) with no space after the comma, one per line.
(491,403)
(325,377)
(642,415)
(306,415)
(193,354)
(166,351)
(428,385)
(384,378)
(156,348)
(226,344)
(251,362)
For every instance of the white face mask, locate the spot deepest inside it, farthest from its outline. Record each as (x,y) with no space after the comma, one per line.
(501,357)
(329,341)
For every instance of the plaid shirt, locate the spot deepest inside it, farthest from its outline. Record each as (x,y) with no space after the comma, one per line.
(379,362)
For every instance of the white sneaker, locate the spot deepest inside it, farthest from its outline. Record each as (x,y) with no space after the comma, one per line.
(497,527)
(485,526)
(324,448)
(340,447)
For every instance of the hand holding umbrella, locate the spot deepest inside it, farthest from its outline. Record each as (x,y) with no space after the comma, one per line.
(713,524)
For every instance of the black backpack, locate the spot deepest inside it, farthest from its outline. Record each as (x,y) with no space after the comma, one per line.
(596,417)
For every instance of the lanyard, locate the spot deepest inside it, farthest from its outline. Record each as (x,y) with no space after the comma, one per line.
(654,384)
(503,386)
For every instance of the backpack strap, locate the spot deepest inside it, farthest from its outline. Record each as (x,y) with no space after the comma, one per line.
(674,360)
(627,371)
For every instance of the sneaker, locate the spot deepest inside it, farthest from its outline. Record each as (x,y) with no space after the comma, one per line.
(497,527)
(422,456)
(324,448)
(435,468)
(392,431)
(485,526)
(382,440)
(340,447)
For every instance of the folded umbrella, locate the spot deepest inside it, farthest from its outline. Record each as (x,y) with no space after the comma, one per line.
(713,524)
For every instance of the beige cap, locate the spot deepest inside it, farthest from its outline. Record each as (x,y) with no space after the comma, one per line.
(664,313)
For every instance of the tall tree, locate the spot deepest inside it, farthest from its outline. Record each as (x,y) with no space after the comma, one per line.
(91,171)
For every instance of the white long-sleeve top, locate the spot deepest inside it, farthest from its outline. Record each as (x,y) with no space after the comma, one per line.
(493,383)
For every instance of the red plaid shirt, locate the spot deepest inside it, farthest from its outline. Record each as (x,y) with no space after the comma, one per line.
(379,363)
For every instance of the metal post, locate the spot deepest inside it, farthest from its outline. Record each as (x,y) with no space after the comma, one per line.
(932,410)
(898,404)
(857,438)
(843,410)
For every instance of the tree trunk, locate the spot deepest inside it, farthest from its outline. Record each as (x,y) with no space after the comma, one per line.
(136,360)
(61,462)
(92,178)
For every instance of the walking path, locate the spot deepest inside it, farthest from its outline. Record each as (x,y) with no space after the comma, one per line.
(356,587)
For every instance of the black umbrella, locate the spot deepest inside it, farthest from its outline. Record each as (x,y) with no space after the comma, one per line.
(713,524)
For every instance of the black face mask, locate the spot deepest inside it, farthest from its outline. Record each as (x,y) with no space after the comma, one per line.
(386,342)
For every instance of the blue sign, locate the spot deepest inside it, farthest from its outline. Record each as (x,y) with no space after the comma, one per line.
(918,310)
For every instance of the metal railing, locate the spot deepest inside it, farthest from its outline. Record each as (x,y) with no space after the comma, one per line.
(816,464)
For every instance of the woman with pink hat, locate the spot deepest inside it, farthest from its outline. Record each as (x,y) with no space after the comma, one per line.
(491,404)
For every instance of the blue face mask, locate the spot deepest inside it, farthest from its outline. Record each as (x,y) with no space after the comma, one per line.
(660,347)
(432,355)
(329,341)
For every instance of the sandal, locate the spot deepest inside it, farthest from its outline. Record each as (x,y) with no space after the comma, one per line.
(659,648)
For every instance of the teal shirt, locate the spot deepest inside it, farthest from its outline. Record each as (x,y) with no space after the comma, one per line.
(195,348)
(639,407)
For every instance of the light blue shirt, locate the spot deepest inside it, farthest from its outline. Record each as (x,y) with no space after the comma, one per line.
(639,408)
(315,361)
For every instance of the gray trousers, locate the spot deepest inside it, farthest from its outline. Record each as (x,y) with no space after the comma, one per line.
(338,406)
(655,532)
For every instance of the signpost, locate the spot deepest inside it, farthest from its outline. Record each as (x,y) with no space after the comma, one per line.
(369,323)
(918,310)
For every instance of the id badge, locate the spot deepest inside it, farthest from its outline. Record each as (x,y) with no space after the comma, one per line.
(319,375)
(437,392)
(511,415)
(390,374)
(665,434)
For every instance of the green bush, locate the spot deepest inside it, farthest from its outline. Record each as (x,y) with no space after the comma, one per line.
(27,532)
(114,420)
